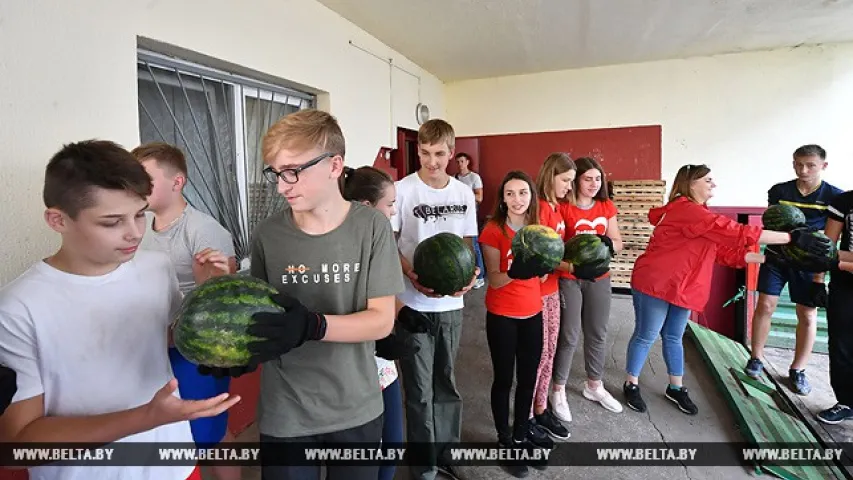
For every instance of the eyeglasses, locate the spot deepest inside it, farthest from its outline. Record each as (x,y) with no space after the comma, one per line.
(291,175)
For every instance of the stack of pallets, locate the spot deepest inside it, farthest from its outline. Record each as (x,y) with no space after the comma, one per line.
(633,200)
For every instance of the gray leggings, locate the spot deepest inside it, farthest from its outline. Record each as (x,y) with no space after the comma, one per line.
(584,306)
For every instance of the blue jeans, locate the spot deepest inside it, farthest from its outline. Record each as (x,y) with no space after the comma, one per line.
(479,254)
(654,316)
(392,427)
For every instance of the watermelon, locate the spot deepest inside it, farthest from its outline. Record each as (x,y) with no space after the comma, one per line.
(538,245)
(783,218)
(212,322)
(803,257)
(586,249)
(444,263)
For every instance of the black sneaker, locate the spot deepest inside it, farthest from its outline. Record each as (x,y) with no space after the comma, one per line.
(552,425)
(835,415)
(516,469)
(633,397)
(799,384)
(679,397)
(754,367)
(538,436)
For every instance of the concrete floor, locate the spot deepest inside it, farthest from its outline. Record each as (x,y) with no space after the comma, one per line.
(662,423)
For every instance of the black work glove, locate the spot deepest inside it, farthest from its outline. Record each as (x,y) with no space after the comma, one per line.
(219,372)
(283,331)
(775,256)
(609,242)
(8,387)
(393,347)
(817,294)
(415,322)
(817,246)
(525,270)
(589,272)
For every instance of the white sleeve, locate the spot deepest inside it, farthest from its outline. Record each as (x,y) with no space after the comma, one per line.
(19,352)
(470,214)
(478,181)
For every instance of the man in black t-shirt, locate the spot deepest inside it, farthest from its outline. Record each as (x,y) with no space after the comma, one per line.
(839,311)
(812,195)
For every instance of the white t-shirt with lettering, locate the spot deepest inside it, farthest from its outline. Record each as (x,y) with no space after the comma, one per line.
(94,345)
(423,211)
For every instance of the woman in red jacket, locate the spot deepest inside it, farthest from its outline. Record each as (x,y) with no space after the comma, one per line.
(673,276)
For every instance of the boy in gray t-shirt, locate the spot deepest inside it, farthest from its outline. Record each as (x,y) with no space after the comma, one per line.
(336,266)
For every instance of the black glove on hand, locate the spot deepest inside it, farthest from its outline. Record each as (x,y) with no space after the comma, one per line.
(394,348)
(8,387)
(415,322)
(609,242)
(219,372)
(521,270)
(284,331)
(817,246)
(817,295)
(775,256)
(589,272)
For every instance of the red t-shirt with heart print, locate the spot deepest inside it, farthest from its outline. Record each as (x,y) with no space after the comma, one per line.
(592,220)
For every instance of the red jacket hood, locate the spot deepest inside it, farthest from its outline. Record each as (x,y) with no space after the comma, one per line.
(682,209)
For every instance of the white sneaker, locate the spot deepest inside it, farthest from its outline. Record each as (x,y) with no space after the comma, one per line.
(560,406)
(479,283)
(603,397)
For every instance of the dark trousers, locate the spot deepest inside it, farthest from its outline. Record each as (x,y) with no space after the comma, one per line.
(366,436)
(839,320)
(511,341)
(392,430)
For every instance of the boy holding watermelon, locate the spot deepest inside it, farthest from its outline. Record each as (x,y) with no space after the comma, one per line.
(813,196)
(429,202)
(335,265)
(182,231)
(85,328)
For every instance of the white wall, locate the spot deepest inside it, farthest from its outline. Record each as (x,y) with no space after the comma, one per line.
(68,73)
(743,114)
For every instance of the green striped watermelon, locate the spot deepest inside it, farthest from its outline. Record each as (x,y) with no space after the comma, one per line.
(538,245)
(586,249)
(444,263)
(783,218)
(802,257)
(212,321)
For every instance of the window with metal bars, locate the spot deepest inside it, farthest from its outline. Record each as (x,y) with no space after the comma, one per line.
(218,119)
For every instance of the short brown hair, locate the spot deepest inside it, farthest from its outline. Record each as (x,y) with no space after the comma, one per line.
(302,131)
(166,156)
(556,164)
(585,164)
(76,170)
(437,131)
(685,176)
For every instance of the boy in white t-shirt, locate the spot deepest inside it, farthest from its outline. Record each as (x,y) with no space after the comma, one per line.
(473,180)
(429,202)
(86,329)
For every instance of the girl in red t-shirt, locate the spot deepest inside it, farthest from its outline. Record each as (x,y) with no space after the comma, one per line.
(586,303)
(553,184)
(513,311)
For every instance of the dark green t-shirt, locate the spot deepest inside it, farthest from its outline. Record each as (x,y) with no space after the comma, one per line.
(323,387)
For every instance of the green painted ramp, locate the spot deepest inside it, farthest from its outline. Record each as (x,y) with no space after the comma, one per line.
(761,411)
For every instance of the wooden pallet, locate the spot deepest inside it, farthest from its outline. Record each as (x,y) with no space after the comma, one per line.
(633,200)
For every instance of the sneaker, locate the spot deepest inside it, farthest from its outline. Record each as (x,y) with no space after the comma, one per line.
(754,367)
(799,384)
(516,469)
(679,397)
(633,398)
(836,414)
(560,405)
(551,424)
(480,283)
(603,397)
(537,436)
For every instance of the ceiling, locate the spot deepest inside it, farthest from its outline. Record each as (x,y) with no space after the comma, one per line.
(465,39)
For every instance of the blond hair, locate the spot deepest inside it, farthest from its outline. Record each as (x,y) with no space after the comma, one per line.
(437,131)
(685,176)
(166,156)
(302,131)
(556,164)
